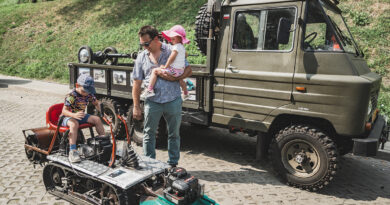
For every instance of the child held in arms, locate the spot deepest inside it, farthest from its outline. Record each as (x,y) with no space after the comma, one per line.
(176,61)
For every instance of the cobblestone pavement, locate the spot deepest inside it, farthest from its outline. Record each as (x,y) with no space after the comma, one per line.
(223,161)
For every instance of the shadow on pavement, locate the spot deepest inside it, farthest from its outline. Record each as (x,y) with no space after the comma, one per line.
(358,178)
(222,145)
(5,82)
(245,176)
(219,143)
(383,155)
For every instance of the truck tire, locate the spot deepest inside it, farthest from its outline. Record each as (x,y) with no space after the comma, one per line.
(111,60)
(202,24)
(111,109)
(161,135)
(304,157)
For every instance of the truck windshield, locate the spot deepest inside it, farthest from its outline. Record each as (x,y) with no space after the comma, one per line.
(319,35)
(341,29)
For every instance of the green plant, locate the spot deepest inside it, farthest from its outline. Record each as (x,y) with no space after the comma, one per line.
(50,39)
(384,101)
(360,18)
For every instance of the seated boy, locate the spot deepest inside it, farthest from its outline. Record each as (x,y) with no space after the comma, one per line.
(74,111)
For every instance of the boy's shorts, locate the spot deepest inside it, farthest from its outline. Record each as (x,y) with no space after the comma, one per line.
(82,121)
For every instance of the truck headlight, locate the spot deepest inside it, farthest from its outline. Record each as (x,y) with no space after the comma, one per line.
(85,54)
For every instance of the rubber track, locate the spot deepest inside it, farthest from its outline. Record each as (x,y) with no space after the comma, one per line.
(121,194)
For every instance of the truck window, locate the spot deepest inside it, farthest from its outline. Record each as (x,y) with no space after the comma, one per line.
(318,35)
(257,30)
(341,28)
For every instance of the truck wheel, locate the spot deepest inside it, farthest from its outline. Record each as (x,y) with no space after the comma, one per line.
(161,135)
(304,156)
(202,24)
(111,60)
(111,109)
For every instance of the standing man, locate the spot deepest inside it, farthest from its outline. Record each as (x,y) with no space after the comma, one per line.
(167,99)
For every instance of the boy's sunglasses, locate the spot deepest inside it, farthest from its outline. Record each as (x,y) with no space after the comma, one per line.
(146,44)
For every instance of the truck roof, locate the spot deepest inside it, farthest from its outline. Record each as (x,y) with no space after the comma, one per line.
(332,3)
(248,2)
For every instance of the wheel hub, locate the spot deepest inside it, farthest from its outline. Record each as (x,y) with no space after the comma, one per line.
(300,158)
(56,178)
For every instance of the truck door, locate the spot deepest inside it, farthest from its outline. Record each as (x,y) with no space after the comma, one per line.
(259,70)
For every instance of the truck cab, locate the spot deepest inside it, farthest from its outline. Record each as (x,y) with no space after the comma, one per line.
(318,72)
(291,71)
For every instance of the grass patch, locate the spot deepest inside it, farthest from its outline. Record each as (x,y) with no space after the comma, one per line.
(41,44)
(384,101)
(369,22)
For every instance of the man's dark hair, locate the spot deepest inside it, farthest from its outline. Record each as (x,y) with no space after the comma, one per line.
(150,30)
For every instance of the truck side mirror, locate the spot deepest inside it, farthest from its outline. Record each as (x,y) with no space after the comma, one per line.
(284,27)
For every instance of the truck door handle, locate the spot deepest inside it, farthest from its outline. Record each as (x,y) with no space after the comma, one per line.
(231,68)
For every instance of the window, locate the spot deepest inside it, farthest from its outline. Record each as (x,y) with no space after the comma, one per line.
(257,30)
(341,28)
(319,35)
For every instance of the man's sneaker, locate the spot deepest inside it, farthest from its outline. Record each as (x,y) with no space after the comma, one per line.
(74,156)
(147,94)
(185,97)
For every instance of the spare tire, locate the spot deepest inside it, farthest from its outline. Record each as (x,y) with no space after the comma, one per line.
(138,126)
(112,108)
(161,135)
(110,60)
(202,28)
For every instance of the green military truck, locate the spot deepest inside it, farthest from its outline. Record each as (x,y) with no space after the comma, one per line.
(288,72)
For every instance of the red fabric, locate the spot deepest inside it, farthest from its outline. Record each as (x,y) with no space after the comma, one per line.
(53,115)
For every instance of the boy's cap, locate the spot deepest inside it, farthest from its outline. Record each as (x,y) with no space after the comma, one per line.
(87,82)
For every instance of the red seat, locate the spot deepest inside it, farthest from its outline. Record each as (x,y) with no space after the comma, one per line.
(53,115)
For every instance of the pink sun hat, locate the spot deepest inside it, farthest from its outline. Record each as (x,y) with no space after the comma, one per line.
(176,31)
